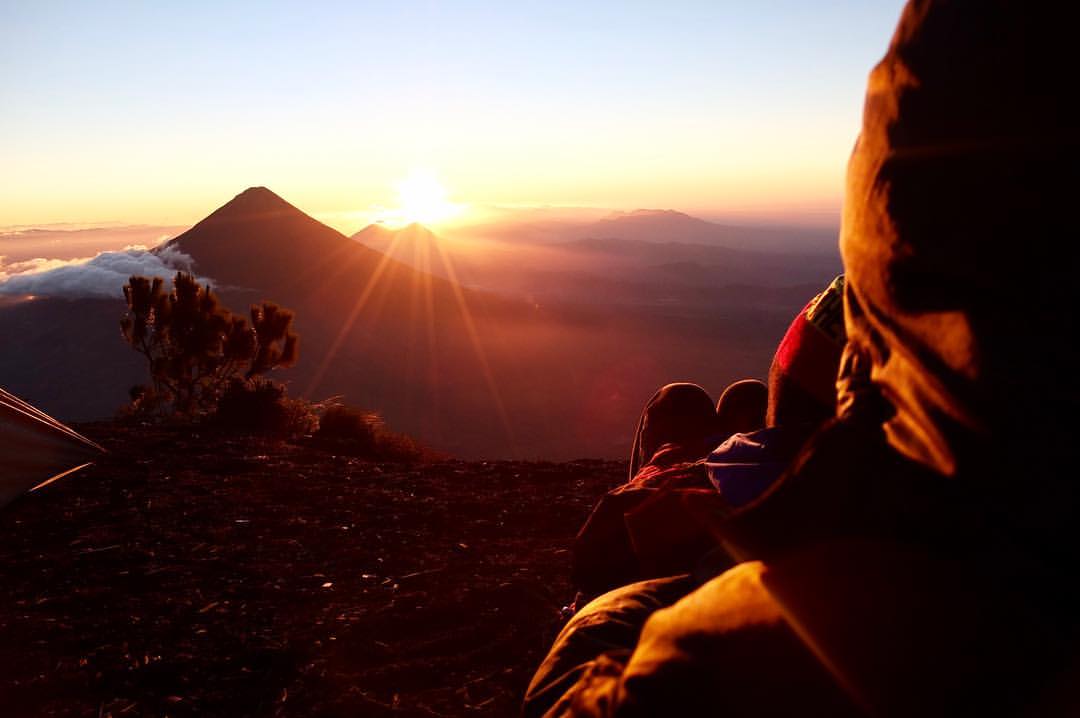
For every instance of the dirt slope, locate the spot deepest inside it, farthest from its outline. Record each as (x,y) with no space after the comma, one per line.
(192,575)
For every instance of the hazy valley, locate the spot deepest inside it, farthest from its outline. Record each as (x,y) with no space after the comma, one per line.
(527,338)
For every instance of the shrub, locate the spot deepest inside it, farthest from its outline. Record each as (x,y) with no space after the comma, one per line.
(363,433)
(392,446)
(263,406)
(345,423)
(194,347)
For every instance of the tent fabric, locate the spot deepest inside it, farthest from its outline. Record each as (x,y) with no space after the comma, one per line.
(36,449)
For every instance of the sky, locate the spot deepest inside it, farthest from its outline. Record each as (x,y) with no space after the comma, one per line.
(140,112)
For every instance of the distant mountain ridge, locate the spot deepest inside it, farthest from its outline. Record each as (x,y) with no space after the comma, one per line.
(540,350)
(666,225)
(644,259)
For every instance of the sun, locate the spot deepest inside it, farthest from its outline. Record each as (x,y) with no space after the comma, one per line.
(422,198)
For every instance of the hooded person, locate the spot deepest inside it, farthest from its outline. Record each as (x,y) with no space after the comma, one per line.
(918,557)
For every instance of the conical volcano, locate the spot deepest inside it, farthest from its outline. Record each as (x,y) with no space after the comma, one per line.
(259,241)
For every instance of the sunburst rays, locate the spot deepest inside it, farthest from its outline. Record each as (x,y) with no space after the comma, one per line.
(422,297)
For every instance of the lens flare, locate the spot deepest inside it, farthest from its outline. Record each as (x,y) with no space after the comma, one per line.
(421,198)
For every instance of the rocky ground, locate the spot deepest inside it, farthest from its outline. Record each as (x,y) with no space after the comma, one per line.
(193,575)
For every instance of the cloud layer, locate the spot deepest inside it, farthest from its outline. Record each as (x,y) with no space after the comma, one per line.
(101,276)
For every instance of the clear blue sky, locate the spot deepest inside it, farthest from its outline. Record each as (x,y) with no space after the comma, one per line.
(154,111)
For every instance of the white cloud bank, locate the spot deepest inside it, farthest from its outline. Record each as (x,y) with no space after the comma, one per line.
(103,275)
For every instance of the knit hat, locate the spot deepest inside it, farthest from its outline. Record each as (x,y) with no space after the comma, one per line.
(809,353)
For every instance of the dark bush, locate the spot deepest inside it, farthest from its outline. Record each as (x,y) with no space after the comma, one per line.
(392,446)
(345,423)
(363,433)
(263,406)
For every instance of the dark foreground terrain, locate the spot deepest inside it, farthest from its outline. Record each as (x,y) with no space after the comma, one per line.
(190,575)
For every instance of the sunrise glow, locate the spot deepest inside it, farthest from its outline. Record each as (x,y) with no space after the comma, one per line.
(705,110)
(421,198)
